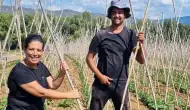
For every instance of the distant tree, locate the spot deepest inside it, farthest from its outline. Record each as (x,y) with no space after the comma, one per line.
(86,16)
(5,20)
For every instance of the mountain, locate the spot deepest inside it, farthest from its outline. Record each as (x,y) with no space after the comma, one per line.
(66,12)
(185,20)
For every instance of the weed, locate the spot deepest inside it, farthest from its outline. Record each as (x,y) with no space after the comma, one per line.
(3,103)
(131,86)
(85,87)
(66,103)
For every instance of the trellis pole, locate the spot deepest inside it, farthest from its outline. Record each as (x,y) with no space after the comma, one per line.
(58,52)
(132,66)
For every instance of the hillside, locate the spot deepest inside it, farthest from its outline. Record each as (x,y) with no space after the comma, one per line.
(185,20)
(66,12)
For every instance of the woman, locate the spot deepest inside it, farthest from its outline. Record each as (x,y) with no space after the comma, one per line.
(30,82)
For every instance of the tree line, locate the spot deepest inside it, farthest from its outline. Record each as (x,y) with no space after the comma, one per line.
(73,26)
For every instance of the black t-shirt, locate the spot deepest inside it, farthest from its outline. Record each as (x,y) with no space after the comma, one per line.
(114,51)
(18,98)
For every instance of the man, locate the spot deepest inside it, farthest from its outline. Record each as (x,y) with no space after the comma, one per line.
(114,45)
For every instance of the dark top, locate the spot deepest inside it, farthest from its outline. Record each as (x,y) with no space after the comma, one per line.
(114,51)
(18,98)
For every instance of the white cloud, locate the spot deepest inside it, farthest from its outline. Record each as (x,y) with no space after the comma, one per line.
(166,2)
(79,9)
(154,17)
(54,8)
(27,2)
(186,3)
(75,8)
(98,6)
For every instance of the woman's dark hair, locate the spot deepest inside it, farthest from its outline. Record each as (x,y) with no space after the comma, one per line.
(33,37)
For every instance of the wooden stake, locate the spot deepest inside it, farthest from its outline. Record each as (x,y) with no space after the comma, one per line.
(134,58)
(58,52)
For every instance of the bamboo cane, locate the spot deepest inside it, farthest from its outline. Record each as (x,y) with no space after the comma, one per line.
(61,58)
(184,74)
(3,76)
(105,21)
(23,20)
(48,39)
(1,2)
(173,3)
(175,34)
(17,5)
(187,103)
(135,83)
(35,14)
(7,35)
(130,72)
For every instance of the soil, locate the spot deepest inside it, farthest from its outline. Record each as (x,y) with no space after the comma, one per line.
(65,87)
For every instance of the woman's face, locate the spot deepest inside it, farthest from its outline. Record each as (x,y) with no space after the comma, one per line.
(33,52)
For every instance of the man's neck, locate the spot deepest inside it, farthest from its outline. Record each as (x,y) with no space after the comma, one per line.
(116,29)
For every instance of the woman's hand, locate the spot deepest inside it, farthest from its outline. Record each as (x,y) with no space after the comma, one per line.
(63,67)
(74,94)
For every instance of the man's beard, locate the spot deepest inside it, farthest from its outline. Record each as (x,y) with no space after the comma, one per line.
(117,24)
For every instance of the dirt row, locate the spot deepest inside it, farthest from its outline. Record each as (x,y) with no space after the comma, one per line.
(65,86)
(76,81)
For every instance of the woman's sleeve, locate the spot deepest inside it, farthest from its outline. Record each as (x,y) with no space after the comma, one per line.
(45,70)
(23,76)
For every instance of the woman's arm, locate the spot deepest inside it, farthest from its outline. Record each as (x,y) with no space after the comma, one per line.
(55,83)
(37,90)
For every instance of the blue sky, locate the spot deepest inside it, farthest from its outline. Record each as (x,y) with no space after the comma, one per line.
(157,7)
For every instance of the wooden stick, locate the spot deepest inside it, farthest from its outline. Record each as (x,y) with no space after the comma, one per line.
(136,90)
(1,2)
(175,34)
(8,33)
(35,14)
(58,52)
(131,69)
(17,5)
(23,20)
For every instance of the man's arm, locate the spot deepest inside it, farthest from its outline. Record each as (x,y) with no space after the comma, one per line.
(140,57)
(90,61)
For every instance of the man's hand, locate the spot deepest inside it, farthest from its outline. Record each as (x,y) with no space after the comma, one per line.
(140,37)
(105,79)
(140,57)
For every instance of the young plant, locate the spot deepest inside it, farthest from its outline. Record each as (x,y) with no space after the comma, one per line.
(66,103)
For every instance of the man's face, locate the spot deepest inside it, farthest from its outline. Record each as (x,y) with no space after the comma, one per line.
(117,16)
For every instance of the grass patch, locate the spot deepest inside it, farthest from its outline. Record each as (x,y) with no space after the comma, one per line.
(66,103)
(3,103)
(85,87)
